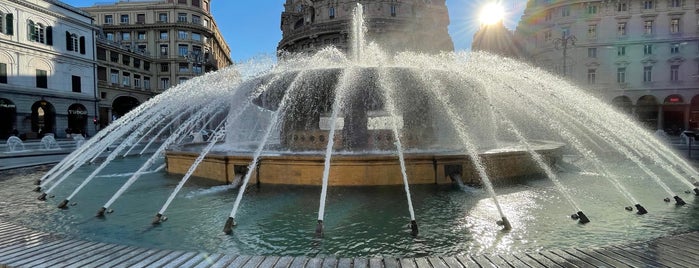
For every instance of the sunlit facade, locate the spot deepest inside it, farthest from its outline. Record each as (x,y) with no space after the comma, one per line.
(641,55)
(47,70)
(414,25)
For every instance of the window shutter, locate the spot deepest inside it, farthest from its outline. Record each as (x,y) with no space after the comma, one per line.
(9,21)
(82,45)
(69,42)
(31,31)
(49,35)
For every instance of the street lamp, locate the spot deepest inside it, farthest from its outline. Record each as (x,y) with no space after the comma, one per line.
(563,42)
(196,58)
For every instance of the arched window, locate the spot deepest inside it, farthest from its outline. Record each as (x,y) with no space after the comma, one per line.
(37,32)
(72,43)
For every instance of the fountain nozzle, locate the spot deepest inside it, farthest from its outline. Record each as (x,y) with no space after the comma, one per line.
(696,191)
(37,182)
(228,228)
(37,189)
(42,197)
(157,219)
(320,229)
(100,213)
(64,204)
(679,201)
(640,210)
(582,217)
(505,223)
(413,228)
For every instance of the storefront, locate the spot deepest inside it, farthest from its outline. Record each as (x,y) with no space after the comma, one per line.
(8,118)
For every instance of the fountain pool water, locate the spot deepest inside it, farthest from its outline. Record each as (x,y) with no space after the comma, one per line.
(414,120)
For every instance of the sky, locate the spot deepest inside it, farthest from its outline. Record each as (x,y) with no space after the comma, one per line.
(251,28)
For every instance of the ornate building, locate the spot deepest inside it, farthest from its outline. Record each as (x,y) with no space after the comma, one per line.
(47,69)
(145,47)
(497,39)
(415,25)
(641,55)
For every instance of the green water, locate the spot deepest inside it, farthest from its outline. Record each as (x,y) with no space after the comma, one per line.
(364,222)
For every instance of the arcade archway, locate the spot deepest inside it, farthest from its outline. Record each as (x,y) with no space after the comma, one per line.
(124,104)
(43,118)
(8,118)
(77,119)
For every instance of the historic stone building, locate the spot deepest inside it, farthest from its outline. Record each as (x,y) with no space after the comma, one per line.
(145,47)
(47,69)
(497,39)
(414,25)
(641,55)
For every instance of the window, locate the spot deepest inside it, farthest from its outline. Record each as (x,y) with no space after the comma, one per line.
(591,76)
(164,83)
(648,4)
(163,35)
(126,60)
(9,24)
(37,32)
(113,56)
(124,19)
(103,95)
(331,11)
(126,79)
(674,48)
(141,48)
(674,26)
(592,52)
(565,11)
(647,73)
(196,3)
(183,50)
(146,65)
(102,73)
(182,80)
(101,54)
(675,3)
(141,35)
(196,19)
(548,16)
(164,67)
(72,43)
(140,18)
(3,73)
(137,81)
(114,77)
(109,36)
(196,36)
(164,50)
(42,78)
(182,2)
(184,67)
(622,6)
(75,81)
(621,75)
(162,17)
(592,31)
(182,35)
(674,73)
(621,29)
(621,51)
(647,49)
(547,36)
(181,17)
(146,82)
(591,9)
(125,36)
(648,27)
(108,19)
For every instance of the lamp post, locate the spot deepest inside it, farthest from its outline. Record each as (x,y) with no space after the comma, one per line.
(563,43)
(196,58)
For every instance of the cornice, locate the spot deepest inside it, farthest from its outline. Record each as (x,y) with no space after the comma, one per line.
(56,14)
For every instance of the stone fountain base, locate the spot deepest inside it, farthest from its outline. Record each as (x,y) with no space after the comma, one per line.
(363,169)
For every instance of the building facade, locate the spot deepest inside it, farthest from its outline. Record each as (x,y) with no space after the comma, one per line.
(145,47)
(47,69)
(407,25)
(641,55)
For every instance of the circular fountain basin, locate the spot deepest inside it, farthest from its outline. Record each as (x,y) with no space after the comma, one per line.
(363,169)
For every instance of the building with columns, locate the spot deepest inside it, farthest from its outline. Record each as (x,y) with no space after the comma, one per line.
(47,69)
(640,55)
(407,25)
(145,47)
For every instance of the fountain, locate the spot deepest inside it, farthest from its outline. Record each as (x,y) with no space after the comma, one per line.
(14,144)
(344,143)
(48,142)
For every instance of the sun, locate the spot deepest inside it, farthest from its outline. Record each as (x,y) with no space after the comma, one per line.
(491,13)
